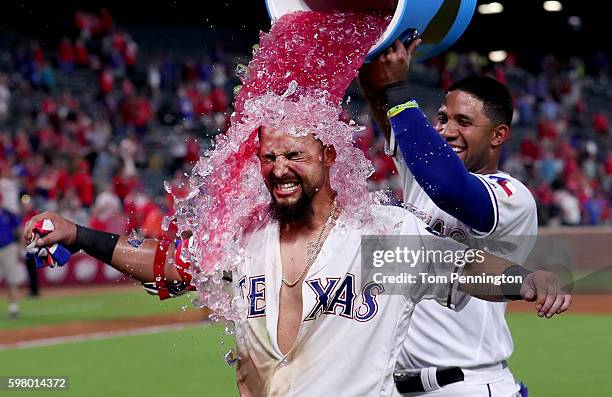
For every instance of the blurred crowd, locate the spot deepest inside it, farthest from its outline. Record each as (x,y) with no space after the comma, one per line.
(84,124)
(87,125)
(560,144)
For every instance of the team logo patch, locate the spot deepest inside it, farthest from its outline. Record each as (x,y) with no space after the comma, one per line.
(505,184)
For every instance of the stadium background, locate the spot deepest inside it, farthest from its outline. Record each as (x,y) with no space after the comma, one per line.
(100,103)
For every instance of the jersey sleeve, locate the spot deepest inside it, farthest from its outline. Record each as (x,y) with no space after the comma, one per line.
(439,269)
(438,170)
(514,207)
(409,185)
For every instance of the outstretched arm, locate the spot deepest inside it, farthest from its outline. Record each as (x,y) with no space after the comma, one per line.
(136,262)
(543,287)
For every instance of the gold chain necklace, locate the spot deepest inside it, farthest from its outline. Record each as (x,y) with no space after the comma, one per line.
(316,248)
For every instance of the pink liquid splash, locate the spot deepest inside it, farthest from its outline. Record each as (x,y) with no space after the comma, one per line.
(295,82)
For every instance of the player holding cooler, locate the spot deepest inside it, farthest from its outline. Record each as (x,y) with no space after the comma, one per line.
(451,181)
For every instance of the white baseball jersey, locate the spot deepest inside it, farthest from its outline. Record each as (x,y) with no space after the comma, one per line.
(478,334)
(349,336)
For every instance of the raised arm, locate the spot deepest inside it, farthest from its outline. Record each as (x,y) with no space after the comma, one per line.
(431,161)
(435,166)
(389,67)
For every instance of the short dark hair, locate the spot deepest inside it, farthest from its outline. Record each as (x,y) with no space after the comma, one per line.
(496,98)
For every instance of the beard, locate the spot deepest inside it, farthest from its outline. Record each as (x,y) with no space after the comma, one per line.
(294,212)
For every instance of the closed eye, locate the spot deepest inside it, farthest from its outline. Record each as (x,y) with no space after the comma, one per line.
(267,158)
(294,155)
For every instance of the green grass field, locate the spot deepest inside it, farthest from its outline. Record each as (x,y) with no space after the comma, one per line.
(177,363)
(99,306)
(566,356)
(569,355)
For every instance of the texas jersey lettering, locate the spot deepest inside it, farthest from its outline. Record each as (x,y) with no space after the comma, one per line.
(333,297)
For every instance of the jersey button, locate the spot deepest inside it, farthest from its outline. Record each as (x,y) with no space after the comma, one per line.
(284,362)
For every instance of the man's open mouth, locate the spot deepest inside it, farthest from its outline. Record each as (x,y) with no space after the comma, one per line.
(286,187)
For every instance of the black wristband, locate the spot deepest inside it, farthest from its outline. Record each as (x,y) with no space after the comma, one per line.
(395,94)
(95,243)
(512,291)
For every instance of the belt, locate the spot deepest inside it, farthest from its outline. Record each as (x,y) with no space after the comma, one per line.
(412,383)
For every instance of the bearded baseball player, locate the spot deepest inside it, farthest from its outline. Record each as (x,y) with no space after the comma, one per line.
(310,327)
(451,181)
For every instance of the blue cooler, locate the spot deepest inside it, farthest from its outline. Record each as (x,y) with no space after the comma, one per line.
(440,22)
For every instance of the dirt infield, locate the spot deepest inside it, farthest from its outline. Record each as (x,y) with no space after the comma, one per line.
(12,336)
(87,289)
(583,304)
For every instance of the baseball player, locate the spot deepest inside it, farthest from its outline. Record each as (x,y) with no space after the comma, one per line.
(451,181)
(309,328)
(9,256)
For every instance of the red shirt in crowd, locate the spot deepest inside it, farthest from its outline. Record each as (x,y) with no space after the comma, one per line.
(219,99)
(608,164)
(530,149)
(124,185)
(105,23)
(131,54)
(193,151)
(203,105)
(82,183)
(66,51)
(600,123)
(141,112)
(48,105)
(81,53)
(22,146)
(547,130)
(118,42)
(62,182)
(106,81)
(39,55)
